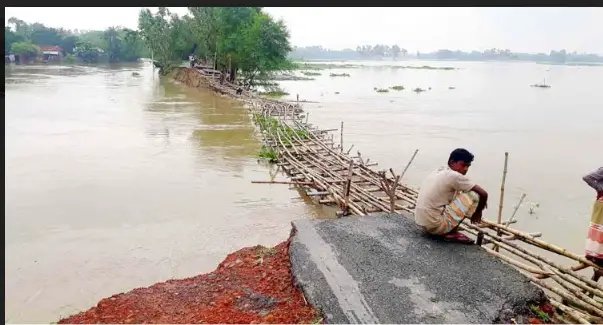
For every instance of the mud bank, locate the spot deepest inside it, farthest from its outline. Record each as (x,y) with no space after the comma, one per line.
(252,285)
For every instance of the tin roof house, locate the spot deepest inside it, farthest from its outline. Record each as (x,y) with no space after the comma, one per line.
(51,53)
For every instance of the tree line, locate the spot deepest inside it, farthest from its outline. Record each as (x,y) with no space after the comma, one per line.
(115,44)
(242,42)
(362,52)
(368,52)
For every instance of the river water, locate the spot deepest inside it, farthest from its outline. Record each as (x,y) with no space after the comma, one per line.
(116,181)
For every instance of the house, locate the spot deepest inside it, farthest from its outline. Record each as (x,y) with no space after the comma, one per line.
(51,53)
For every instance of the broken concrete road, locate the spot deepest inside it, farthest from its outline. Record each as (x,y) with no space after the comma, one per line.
(383,269)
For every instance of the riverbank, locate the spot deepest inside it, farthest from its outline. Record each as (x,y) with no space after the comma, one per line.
(252,285)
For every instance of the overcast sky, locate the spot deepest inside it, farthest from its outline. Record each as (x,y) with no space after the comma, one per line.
(423,29)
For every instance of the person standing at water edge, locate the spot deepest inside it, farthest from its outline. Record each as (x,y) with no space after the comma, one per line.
(447,197)
(594,239)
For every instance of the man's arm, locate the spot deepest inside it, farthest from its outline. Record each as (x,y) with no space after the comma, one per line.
(463,183)
(481,205)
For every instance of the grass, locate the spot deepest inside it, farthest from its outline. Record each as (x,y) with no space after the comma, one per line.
(274,93)
(540,314)
(268,154)
(398,88)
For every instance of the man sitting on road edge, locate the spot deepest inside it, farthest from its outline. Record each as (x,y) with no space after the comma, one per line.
(447,197)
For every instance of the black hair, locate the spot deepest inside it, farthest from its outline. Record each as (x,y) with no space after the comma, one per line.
(460,154)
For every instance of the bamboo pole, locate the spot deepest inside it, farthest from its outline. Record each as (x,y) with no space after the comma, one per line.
(341,137)
(348,186)
(502,193)
(516,263)
(579,303)
(542,244)
(523,196)
(579,294)
(516,247)
(570,312)
(282,182)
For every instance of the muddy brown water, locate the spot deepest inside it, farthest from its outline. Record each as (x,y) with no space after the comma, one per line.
(115,181)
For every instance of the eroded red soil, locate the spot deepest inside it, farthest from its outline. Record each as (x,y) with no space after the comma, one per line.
(252,285)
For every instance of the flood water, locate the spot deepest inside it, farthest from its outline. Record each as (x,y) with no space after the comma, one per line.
(115,181)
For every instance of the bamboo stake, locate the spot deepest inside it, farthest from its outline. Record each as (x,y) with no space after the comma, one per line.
(341,138)
(523,196)
(407,165)
(348,185)
(502,193)
(348,152)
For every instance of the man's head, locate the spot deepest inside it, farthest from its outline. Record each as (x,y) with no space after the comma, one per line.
(460,160)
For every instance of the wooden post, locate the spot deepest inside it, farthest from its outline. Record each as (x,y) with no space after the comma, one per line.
(341,138)
(346,193)
(502,195)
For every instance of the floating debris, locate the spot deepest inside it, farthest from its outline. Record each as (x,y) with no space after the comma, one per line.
(339,75)
(398,88)
(418,90)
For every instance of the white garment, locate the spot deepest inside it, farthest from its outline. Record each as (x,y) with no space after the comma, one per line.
(437,191)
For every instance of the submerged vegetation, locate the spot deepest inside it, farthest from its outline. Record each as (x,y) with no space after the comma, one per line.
(243,42)
(310,73)
(339,75)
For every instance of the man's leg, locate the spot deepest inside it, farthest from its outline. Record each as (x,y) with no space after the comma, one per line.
(463,206)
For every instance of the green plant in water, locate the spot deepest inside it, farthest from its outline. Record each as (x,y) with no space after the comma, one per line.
(418,90)
(310,73)
(397,88)
(268,154)
(382,90)
(339,75)
(541,314)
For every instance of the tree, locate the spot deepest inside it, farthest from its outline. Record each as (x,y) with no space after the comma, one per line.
(25,50)
(395,51)
(10,37)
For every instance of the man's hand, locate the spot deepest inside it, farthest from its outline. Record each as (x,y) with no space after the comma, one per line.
(476,217)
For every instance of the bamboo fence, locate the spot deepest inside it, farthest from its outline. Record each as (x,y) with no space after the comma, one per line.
(330,175)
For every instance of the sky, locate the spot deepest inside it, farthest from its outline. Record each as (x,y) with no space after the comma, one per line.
(416,29)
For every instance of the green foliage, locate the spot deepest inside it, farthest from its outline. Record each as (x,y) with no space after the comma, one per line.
(25,48)
(540,314)
(398,88)
(381,90)
(243,40)
(70,59)
(115,44)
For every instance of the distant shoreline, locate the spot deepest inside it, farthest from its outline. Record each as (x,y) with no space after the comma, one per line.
(580,64)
